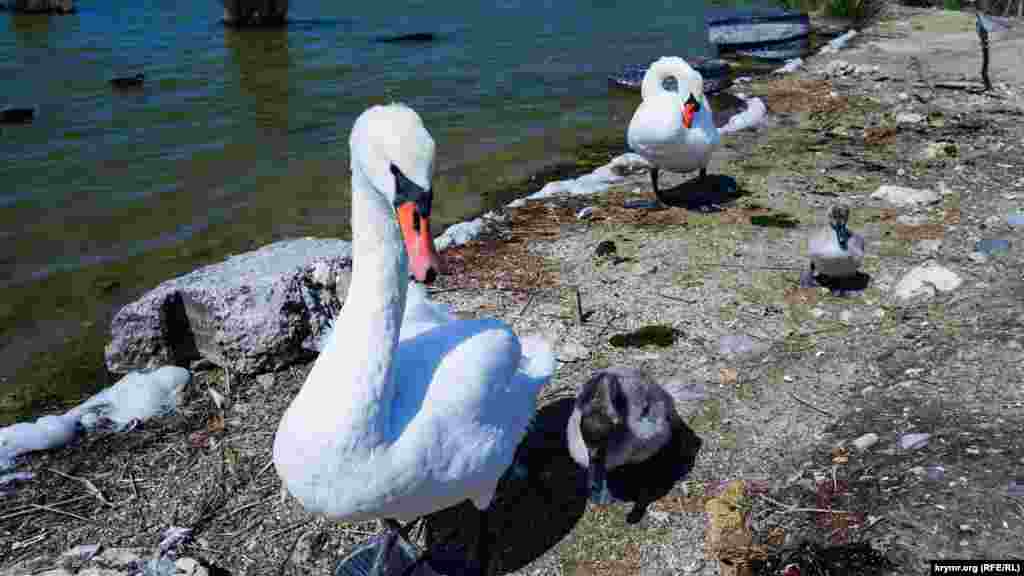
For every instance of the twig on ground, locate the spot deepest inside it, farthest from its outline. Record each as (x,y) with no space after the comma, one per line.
(790,508)
(288,556)
(29,542)
(29,509)
(245,507)
(85,482)
(62,513)
(529,300)
(288,528)
(579,306)
(811,406)
(270,462)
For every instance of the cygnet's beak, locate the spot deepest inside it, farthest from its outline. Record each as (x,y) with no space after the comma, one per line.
(597,480)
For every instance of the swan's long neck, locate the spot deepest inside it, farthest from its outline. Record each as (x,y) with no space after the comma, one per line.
(347,396)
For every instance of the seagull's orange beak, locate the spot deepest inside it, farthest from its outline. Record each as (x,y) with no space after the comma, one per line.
(424,262)
(689,109)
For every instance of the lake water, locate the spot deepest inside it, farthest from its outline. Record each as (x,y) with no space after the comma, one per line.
(239,138)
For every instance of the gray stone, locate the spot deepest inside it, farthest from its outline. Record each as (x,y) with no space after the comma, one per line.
(866,441)
(903,196)
(255,312)
(925,280)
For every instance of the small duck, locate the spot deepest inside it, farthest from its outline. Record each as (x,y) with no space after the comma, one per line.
(625,430)
(835,253)
(123,82)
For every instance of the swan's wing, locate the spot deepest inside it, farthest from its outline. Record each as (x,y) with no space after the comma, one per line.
(465,392)
(750,117)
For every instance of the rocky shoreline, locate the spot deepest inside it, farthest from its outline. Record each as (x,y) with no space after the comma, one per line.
(898,407)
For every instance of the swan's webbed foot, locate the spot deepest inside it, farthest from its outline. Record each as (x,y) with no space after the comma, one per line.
(387,554)
(656,204)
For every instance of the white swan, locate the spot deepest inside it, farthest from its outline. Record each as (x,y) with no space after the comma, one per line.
(834,251)
(673,130)
(624,421)
(397,419)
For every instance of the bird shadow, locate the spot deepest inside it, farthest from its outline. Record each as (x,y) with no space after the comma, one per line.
(531,512)
(849,286)
(648,481)
(706,194)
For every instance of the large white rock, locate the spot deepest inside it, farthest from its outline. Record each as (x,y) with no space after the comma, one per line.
(903,196)
(925,280)
(255,312)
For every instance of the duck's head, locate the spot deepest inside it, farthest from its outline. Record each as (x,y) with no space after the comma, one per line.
(838,216)
(693,97)
(393,150)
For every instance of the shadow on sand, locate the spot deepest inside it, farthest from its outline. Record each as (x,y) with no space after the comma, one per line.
(709,194)
(850,286)
(529,514)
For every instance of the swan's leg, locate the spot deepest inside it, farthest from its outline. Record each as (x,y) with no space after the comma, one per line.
(483,545)
(703,173)
(380,563)
(654,179)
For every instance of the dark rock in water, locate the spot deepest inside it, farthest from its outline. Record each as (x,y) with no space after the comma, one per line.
(412,38)
(17,115)
(254,13)
(41,6)
(255,312)
(123,82)
(654,334)
(605,248)
(716,74)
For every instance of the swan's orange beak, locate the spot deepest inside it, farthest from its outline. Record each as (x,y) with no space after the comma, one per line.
(424,262)
(689,109)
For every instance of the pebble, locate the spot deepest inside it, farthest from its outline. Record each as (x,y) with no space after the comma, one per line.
(787,378)
(605,248)
(266,381)
(572,352)
(845,316)
(909,118)
(585,213)
(866,391)
(918,471)
(914,441)
(817,312)
(693,565)
(973,451)
(866,441)
(1015,219)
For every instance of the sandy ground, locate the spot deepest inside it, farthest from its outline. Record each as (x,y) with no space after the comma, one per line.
(820,371)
